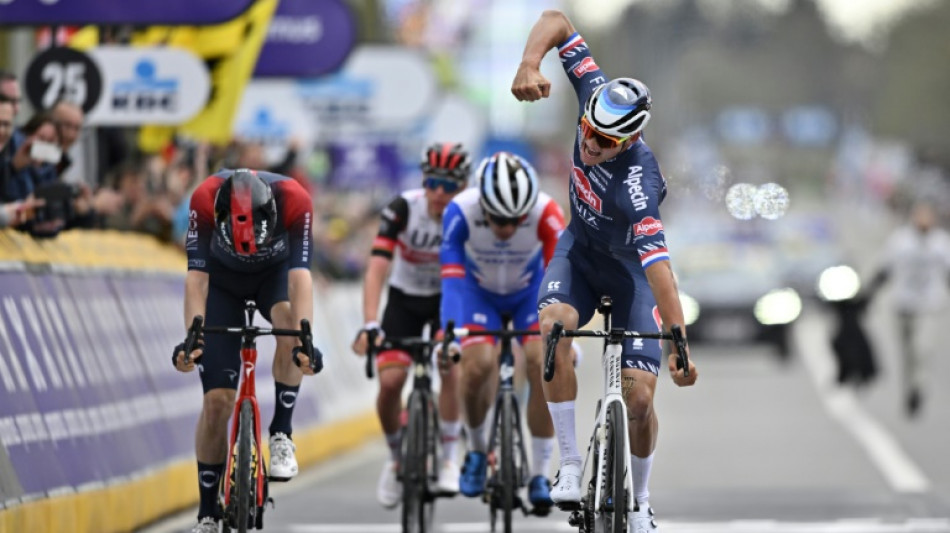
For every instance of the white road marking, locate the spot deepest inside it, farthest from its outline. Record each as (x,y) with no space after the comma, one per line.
(920,525)
(900,471)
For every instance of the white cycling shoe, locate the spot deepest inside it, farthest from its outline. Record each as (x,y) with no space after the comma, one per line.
(389,489)
(567,487)
(283,462)
(205,525)
(641,520)
(449,473)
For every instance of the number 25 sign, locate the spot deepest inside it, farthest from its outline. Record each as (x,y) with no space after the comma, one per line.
(63,73)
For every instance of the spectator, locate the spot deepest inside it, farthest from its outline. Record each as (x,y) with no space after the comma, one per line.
(10,90)
(917,260)
(16,212)
(34,157)
(68,118)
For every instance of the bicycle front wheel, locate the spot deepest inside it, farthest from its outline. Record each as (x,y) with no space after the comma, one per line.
(416,501)
(243,497)
(507,472)
(615,495)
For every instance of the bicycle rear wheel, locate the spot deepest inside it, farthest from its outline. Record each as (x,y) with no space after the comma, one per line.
(416,500)
(615,495)
(243,488)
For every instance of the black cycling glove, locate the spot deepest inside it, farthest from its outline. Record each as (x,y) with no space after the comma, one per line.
(316,360)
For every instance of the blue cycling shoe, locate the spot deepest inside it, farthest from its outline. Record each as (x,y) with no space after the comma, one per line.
(539,492)
(472,480)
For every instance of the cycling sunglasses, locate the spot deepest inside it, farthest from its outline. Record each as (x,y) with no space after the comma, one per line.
(505,221)
(603,140)
(448,185)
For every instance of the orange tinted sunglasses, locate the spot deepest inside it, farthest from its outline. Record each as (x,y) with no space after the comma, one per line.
(603,140)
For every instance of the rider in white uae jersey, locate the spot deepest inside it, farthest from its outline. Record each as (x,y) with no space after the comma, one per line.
(418,236)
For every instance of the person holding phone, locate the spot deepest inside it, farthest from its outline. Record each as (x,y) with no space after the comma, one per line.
(36,151)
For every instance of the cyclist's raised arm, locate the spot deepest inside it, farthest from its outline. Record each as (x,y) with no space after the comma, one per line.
(552,29)
(452,257)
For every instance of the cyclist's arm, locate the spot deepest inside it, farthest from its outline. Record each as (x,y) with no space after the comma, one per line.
(300,292)
(452,257)
(552,29)
(392,222)
(550,228)
(663,285)
(196,295)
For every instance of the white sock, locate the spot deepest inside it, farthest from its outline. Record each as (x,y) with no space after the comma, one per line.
(562,414)
(542,448)
(476,437)
(394,441)
(450,438)
(641,478)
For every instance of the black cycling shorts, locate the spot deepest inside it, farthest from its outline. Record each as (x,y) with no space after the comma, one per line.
(406,316)
(220,364)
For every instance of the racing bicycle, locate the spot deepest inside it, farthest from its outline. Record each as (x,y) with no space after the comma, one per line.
(244,489)
(507,459)
(609,498)
(421,443)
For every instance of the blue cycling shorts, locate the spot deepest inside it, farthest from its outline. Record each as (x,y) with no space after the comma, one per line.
(483,310)
(579,276)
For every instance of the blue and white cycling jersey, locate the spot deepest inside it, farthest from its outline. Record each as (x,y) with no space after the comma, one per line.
(501,271)
(614,205)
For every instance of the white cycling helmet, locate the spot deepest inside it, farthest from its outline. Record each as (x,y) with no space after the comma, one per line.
(507,184)
(619,108)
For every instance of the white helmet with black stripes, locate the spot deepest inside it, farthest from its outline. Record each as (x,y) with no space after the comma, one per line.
(507,184)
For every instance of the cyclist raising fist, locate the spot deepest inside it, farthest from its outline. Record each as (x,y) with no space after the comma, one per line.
(614,245)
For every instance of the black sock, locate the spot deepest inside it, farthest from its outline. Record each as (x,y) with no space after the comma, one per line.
(209,477)
(283,408)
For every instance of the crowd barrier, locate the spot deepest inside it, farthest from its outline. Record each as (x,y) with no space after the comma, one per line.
(96,426)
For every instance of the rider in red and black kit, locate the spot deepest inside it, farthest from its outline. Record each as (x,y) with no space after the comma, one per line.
(248,238)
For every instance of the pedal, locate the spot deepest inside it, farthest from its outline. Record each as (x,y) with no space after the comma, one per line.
(569,506)
(576,519)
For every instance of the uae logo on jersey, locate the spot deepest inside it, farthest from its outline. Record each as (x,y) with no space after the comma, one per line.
(584,190)
(647,226)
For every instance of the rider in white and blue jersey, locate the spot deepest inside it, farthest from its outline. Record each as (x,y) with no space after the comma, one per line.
(615,246)
(497,239)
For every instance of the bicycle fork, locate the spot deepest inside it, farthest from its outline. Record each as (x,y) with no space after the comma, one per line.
(612,395)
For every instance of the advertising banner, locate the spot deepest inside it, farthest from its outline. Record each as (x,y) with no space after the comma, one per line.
(101,12)
(148,85)
(306,39)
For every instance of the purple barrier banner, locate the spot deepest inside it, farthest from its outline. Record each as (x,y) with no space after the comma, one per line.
(140,12)
(307,39)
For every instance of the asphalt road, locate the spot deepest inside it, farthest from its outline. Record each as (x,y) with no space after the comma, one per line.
(757,446)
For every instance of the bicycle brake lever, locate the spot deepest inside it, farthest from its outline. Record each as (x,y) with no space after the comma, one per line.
(553,338)
(680,341)
(306,340)
(447,337)
(191,340)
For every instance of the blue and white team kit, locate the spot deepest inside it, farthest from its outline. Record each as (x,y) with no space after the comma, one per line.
(615,231)
(482,276)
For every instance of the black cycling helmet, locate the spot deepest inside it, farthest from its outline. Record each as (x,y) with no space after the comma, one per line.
(245,212)
(446,159)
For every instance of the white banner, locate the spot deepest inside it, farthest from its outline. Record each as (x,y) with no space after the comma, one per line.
(148,85)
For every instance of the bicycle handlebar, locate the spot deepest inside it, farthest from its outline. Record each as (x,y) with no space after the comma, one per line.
(197,330)
(406,343)
(615,335)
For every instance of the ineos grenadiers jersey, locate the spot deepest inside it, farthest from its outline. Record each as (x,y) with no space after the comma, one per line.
(614,205)
(292,241)
(472,255)
(406,224)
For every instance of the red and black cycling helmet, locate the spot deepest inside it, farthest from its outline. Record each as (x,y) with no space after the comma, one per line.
(446,159)
(245,212)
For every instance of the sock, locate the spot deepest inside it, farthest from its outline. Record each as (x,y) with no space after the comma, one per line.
(450,438)
(640,468)
(542,448)
(476,437)
(562,414)
(209,477)
(394,441)
(283,408)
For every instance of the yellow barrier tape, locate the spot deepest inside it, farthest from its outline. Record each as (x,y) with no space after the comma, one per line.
(93,248)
